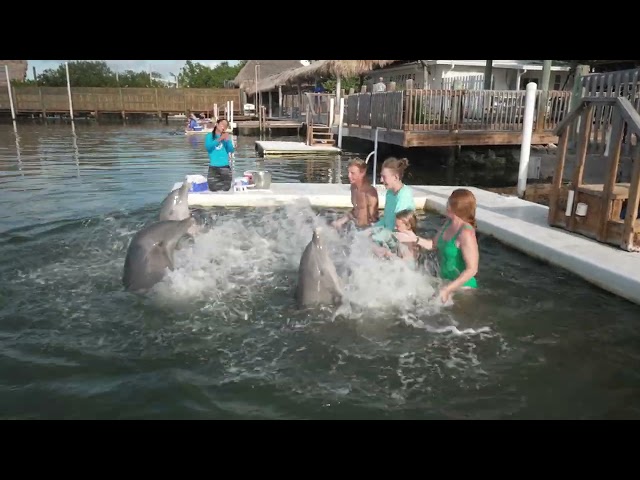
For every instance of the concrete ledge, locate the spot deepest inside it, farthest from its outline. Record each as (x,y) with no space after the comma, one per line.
(517,223)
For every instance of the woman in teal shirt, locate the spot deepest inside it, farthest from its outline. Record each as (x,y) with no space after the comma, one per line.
(219,147)
(455,242)
(399,197)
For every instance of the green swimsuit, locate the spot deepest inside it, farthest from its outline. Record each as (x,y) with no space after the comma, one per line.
(451,260)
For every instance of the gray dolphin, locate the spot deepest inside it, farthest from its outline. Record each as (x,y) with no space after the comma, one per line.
(150,253)
(318,281)
(175,206)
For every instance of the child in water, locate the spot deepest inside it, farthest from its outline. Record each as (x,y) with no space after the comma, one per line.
(406,221)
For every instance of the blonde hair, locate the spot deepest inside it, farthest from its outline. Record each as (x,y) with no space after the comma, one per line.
(462,203)
(358,162)
(397,165)
(409,217)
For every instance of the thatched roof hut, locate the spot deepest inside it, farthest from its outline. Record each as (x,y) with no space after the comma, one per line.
(246,76)
(17,71)
(320,68)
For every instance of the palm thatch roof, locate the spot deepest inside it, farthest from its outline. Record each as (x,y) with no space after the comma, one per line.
(246,76)
(320,68)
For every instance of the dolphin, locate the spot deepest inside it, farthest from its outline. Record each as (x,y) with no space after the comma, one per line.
(175,206)
(318,281)
(150,252)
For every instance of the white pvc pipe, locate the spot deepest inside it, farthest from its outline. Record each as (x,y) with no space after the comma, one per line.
(570,196)
(66,64)
(341,120)
(231,112)
(13,111)
(332,107)
(527,132)
(375,156)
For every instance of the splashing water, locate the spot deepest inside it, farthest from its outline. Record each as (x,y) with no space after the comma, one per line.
(237,259)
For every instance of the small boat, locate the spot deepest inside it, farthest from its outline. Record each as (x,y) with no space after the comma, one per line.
(198,132)
(232,127)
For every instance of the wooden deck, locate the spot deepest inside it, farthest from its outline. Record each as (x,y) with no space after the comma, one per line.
(441,118)
(270,124)
(284,149)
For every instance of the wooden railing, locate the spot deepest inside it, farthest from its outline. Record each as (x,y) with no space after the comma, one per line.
(130,100)
(623,83)
(608,211)
(448,110)
(294,106)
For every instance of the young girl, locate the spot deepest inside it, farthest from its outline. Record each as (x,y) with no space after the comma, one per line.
(406,222)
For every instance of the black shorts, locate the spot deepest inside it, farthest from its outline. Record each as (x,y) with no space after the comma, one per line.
(219,178)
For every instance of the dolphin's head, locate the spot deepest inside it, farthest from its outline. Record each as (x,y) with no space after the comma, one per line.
(186,186)
(318,237)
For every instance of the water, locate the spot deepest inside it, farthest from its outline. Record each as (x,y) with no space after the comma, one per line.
(221,337)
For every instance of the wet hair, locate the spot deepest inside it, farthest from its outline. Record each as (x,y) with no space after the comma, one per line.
(462,203)
(358,162)
(409,217)
(397,165)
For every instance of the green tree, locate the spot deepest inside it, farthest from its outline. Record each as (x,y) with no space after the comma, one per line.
(345,84)
(81,74)
(197,75)
(132,79)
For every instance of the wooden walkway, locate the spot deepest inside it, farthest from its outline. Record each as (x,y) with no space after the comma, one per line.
(439,118)
(161,101)
(270,124)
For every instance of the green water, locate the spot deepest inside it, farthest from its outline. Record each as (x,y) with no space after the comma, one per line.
(221,337)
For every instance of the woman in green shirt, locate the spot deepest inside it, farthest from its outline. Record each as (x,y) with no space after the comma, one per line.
(399,197)
(455,242)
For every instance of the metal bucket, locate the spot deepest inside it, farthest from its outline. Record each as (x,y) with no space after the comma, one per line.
(261,179)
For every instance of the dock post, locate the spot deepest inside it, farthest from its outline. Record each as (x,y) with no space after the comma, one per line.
(66,65)
(340,121)
(331,113)
(527,131)
(13,110)
(231,114)
(375,155)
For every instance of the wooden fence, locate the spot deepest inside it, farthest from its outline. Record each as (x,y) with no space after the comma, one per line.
(448,110)
(623,83)
(117,100)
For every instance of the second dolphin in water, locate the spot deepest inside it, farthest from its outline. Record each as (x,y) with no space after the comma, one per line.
(318,281)
(151,251)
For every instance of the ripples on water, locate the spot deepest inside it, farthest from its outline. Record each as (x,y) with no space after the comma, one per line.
(220,337)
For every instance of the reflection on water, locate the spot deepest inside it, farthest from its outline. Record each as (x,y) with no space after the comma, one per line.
(56,170)
(18,148)
(220,337)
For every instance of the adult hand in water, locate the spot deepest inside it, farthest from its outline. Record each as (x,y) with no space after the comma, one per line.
(406,237)
(444,294)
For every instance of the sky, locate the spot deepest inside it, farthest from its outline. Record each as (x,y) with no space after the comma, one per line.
(165,67)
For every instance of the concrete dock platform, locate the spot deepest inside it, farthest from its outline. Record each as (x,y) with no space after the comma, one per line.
(517,223)
(284,149)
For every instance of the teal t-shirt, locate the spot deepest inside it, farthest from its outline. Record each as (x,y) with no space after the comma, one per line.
(393,203)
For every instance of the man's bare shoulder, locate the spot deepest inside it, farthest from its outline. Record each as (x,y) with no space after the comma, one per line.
(371,191)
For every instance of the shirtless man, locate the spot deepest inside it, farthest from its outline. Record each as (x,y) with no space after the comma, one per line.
(364,198)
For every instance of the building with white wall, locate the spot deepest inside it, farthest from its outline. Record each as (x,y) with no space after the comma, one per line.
(469,74)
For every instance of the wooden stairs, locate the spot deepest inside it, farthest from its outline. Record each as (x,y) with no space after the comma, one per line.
(319,135)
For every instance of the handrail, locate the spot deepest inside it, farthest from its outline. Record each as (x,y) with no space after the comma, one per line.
(629,114)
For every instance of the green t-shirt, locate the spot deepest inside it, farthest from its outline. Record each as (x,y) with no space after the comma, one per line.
(394,203)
